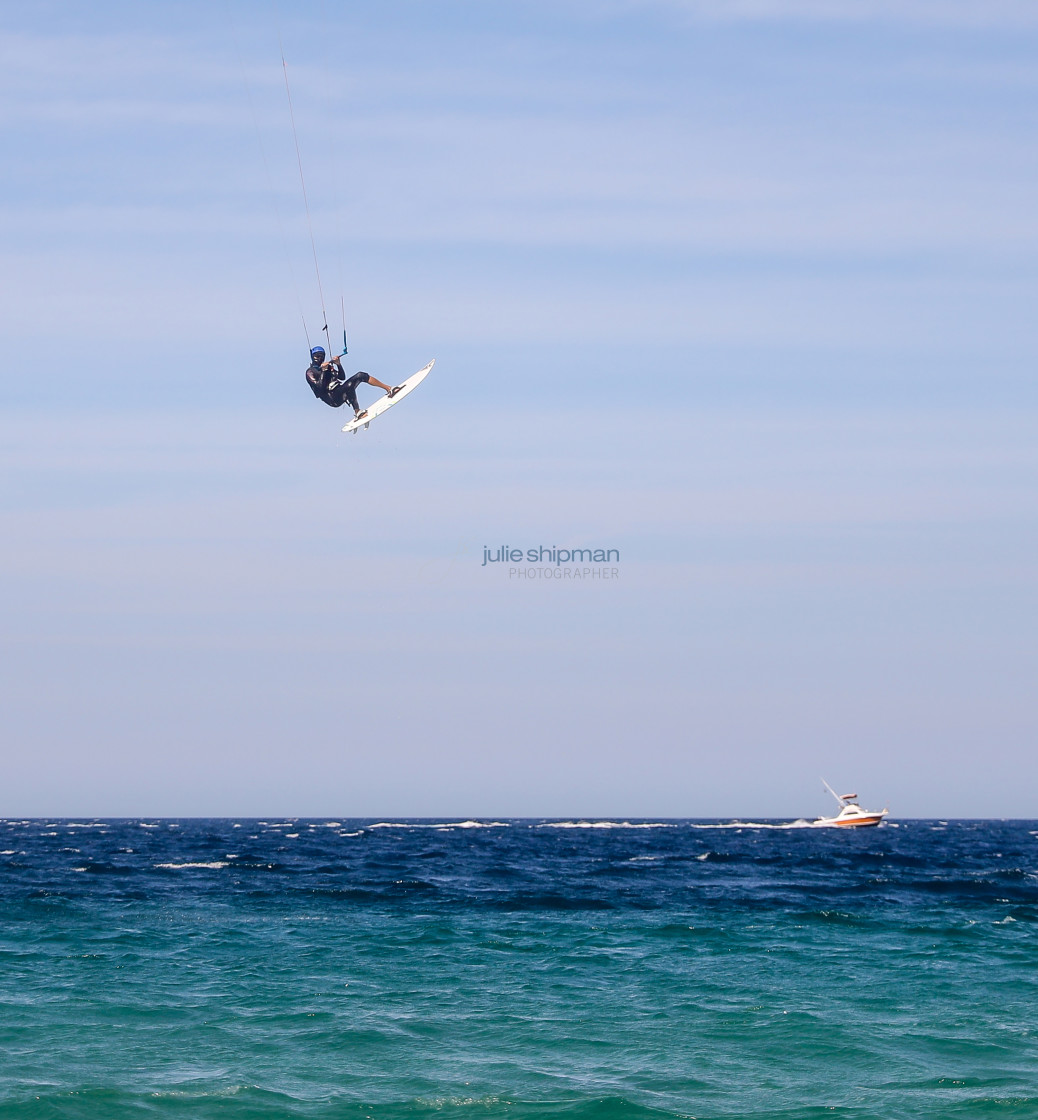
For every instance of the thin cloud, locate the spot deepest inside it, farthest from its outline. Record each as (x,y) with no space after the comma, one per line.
(994,14)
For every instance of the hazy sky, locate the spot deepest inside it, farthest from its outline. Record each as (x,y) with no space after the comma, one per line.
(743,289)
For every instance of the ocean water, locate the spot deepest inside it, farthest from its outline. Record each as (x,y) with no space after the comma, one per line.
(403,970)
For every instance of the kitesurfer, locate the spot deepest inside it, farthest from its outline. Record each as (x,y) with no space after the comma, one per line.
(331,385)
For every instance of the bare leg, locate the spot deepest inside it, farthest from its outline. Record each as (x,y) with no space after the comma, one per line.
(391,391)
(378,385)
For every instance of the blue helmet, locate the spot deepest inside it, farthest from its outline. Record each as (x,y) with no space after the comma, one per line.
(317,353)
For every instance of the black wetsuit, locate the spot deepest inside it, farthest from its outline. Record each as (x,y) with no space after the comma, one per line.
(328,388)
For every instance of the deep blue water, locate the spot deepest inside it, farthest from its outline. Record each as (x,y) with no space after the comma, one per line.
(589,970)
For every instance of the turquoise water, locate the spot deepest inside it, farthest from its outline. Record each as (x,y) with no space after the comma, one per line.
(405,969)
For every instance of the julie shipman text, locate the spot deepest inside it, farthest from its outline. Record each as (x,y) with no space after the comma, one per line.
(542,555)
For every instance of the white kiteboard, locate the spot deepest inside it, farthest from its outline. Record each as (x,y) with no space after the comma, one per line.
(386,402)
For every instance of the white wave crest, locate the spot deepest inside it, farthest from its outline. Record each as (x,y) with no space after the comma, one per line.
(603,824)
(215,865)
(441,826)
(757,824)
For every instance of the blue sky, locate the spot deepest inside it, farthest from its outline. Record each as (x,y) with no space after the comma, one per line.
(744,290)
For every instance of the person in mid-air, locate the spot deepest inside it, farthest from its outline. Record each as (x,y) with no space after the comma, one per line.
(331,385)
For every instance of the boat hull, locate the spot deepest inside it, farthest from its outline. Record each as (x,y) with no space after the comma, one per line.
(862,820)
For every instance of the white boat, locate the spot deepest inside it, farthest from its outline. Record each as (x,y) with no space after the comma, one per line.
(851,814)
